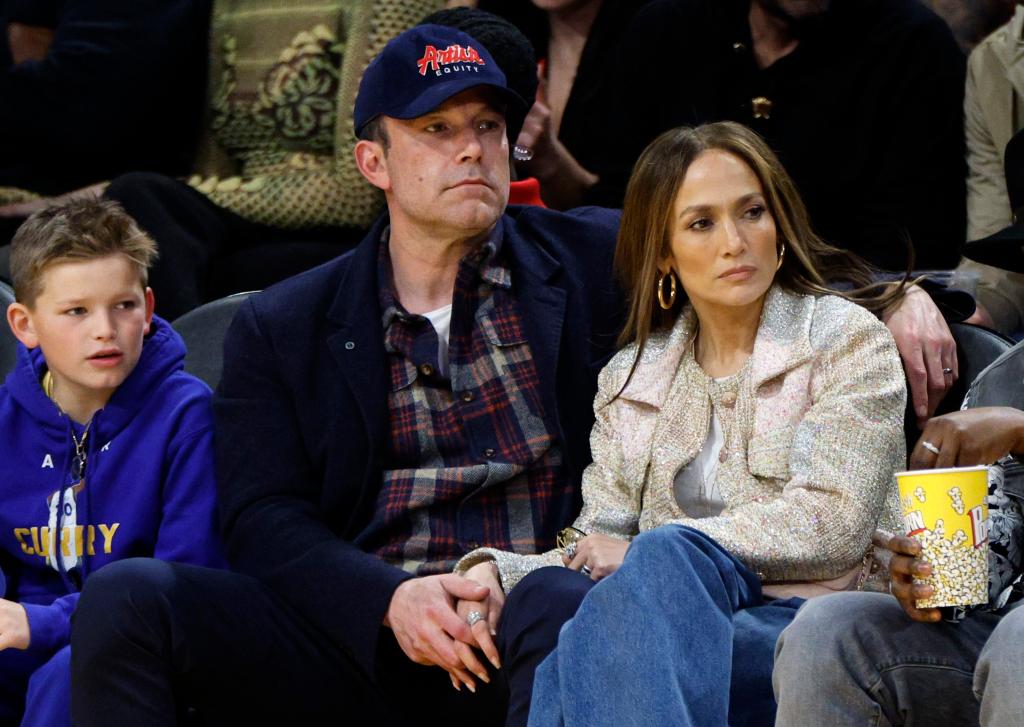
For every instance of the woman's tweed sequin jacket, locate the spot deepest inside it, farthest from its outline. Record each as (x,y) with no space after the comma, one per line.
(813,435)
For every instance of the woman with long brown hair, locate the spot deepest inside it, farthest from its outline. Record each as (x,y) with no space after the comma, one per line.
(744,446)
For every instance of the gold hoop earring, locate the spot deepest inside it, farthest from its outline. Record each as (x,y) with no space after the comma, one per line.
(666,305)
(782,254)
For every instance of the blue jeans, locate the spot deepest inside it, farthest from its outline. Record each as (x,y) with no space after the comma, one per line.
(857,659)
(660,641)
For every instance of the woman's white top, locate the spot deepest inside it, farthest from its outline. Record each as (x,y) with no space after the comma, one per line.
(696,487)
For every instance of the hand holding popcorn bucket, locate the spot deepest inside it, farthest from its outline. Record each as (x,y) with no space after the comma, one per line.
(945,510)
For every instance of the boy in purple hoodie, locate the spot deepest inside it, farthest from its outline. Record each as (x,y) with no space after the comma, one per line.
(105,442)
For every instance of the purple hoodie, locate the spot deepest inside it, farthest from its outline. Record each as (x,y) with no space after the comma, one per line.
(149,487)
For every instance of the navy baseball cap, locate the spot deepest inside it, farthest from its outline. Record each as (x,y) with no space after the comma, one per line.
(423,67)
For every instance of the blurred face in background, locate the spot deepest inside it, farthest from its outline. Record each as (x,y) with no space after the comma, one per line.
(795,9)
(558,6)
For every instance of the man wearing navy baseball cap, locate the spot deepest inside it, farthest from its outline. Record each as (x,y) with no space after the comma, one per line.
(379,419)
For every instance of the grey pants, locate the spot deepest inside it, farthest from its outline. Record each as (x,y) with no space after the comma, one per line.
(857,659)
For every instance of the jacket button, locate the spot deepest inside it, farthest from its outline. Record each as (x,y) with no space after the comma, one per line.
(349,345)
(426,369)
(729,399)
(467,396)
(488,453)
(723,455)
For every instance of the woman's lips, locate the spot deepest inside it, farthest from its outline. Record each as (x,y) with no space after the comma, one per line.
(741,272)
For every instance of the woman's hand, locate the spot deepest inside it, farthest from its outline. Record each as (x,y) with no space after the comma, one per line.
(600,555)
(484,630)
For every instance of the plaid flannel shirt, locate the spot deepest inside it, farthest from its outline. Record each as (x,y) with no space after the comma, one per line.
(472,458)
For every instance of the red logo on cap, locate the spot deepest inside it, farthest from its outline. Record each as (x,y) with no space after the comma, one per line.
(452,54)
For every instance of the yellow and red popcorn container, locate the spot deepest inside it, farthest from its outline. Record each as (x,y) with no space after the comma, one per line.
(945,510)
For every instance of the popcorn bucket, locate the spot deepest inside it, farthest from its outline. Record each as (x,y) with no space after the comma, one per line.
(945,510)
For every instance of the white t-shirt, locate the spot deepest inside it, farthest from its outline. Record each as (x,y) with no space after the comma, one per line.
(696,487)
(441,320)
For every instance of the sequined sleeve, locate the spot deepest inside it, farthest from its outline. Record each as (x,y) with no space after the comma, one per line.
(844,452)
(611,490)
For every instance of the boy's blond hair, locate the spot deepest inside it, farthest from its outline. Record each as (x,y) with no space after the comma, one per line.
(84,229)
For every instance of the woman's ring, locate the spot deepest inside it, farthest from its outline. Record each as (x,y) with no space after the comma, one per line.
(930,447)
(585,570)
(947,371)
(474,618)
(570,551)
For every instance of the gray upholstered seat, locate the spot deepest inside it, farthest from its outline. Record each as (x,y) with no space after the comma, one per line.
(976,349)
(1001,383)
(8,343)
(203,330)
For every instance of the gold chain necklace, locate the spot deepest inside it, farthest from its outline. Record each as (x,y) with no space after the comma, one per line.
(81,453)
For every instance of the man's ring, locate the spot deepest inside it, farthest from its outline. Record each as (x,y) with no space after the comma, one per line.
(930,447)
(570,551)
(585,569)
(947,371)
(474,618)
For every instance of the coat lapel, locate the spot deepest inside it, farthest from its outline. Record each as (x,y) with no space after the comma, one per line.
(358,343)
(784,336)
(668,378)
(542,300)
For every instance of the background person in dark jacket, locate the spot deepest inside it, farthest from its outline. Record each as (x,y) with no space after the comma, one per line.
(861,99)
(118,86)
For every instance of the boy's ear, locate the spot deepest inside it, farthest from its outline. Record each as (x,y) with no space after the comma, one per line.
(19,318)
(150,307)
(372,163)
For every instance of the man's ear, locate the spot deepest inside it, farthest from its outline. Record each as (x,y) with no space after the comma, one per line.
(19,318)
(373,163)
(150,307)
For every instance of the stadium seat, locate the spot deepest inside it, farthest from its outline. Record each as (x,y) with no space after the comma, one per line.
(1001,383)
(976,349)
(8,343)
(203,330)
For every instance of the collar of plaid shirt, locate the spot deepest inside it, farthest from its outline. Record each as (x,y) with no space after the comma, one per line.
(471,444)
(482,263)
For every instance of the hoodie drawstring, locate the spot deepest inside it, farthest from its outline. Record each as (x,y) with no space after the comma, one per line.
(79,461)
